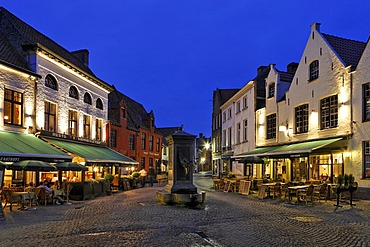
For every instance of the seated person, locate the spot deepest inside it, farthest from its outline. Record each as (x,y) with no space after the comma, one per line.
(49,192)
(30,187)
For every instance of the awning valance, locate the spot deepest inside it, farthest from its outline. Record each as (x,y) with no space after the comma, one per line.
(252,159)
(290,150)
(16,147)
(92,153)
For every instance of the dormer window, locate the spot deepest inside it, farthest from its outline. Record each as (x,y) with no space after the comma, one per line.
(51,82)
(314,70)
(271,90)
(73,93)
(87,98)
(123,112)
(99,104)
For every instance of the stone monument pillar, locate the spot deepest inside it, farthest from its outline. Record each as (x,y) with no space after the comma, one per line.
(180,188)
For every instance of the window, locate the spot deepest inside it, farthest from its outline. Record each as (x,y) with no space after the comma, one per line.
(224,116)
(13,107)
(238,132)
(87,127)
(366,100)
(329,112)
(229,137)
(314,70)
(142,162)
(143,141)
(245,130)
(113,138)
(224,138)
(99,104)
(87,98)
(150,161)
(271,90)
(301,119)
(245,102)
(229,113)
(50,116)
(123,112)
(366,152)
(72,123)
(73,93)
(158,144)
(51,82)
(131,142)
(98,129)
(271,126)
(238,107)
(151,143)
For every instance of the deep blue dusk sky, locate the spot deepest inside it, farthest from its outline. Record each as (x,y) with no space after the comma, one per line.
(170,55)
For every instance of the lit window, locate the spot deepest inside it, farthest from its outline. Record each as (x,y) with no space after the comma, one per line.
(366,165)
(98,129)
(13,105)
(301,119)
(50,115)
(73,123)
(329,112)
(87,126)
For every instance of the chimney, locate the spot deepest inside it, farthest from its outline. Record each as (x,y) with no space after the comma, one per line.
(82,55)
(260,69)
(316,26)
(292,67)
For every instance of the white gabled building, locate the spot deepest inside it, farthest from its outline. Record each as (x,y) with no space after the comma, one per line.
(316,127)
(238,122)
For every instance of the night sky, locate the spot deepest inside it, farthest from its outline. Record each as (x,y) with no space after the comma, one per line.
(170,55)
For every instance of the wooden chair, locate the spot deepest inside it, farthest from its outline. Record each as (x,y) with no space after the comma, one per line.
(43,197)
(321,192)
(306,195)
(10,199)
(276,191)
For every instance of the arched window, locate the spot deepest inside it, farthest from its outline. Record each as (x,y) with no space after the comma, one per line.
(87,99)
(99,104)
(314,70)
(51,82)
(73,93)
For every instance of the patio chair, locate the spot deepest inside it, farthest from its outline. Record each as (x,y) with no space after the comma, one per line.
(321,192)
(276,191)
(10,199)
(306,195)
(43,197)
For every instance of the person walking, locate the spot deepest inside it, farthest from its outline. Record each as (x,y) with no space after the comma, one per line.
(151,175)
(143,175)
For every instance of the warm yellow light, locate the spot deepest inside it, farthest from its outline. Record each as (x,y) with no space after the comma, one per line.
(132,168)
(96,169)
(207,146)
(202,159)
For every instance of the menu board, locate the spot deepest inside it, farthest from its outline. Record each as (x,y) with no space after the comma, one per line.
(245,187)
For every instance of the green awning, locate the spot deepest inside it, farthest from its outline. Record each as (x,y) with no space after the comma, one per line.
(255,152)
(289,150)
(252,159)
(93,153)
(17,147)
(302,147)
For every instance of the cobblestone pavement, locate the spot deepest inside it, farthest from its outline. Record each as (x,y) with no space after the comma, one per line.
(133,218)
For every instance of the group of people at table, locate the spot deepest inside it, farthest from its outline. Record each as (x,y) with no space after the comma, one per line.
(54,193)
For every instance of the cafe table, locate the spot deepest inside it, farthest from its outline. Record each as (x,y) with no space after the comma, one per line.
(293,190)
(23,197)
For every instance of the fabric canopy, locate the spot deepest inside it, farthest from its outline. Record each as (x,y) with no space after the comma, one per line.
(15,147)
(252,159)
(93,153)
(31,165)
(289,149)
(70,166)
